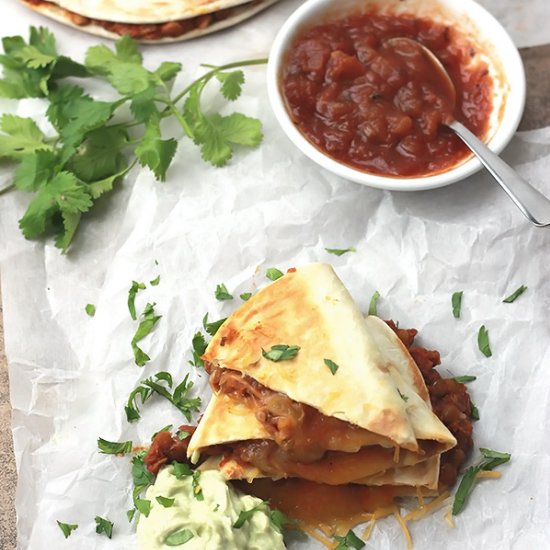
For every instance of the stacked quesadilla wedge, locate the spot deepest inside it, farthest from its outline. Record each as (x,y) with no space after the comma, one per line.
(149,20)
(345,404)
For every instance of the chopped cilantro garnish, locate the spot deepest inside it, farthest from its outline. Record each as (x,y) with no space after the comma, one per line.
(332,366)
(518,292)
(464,379)
(340,251)
(456,302)
(67,528)
(245,296)
(246,515)
(146,325)
(483,341)
(181,470)
(132,293)
(113,447)
(155,281)
(491,459)
(351,540)
(373,305)
(404,397)
(474,412)
(165,501)
(177,538)
(212,328)
(281,521)
(143,506)
(281,352)
(104,526)
(222,293)
(199,347)
(273,273)
(197,489)
(90,309)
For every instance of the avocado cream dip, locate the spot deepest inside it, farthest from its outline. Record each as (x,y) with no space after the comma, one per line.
(210,521)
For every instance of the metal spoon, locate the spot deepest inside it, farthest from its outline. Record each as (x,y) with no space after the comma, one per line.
(534,205)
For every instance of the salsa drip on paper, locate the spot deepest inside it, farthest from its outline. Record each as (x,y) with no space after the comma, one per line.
(363,104)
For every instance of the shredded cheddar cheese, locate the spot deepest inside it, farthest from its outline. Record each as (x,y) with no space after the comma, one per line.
(449,517)
(396,454)
(404,528)
(367,532)
(319,537)
(424,510)
(489,474)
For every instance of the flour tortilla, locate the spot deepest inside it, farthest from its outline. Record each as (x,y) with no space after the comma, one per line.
(311,308)
(98,17)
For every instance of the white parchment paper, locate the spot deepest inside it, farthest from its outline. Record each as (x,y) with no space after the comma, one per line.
(71,374)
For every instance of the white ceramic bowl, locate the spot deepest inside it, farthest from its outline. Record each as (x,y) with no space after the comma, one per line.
(472,20)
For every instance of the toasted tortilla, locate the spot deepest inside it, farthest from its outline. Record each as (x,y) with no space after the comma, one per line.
(155,21)
(311,308)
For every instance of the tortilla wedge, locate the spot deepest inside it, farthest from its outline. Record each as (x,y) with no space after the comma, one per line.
(155,21)
(377,391)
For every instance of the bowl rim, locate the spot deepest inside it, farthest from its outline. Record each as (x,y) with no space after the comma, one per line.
(505,49)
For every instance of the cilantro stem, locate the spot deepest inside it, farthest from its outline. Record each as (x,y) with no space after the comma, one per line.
(207,76)
(7,188)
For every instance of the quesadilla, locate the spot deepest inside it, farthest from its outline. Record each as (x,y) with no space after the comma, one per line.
(149,20)
(348,405)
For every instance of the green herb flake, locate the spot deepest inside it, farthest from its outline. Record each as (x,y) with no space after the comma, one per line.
(483,341)
(199,347)
(222,293)
(491,459)
(165,501)
(182,435)
(516,294)
(178,538)
(281,521)
(130,514)
(474,412)
(67,528)
(245,296)
(104,526)
(90,309)
(246,515)
(332,366)
(181,470)
(212,328)
(464,379)
(404,397)
(373,305)
(197,489)
(281,352)
(456,302)
(146,325)
(273,274)
(132,293)
(166,428)
(113,447)
(143,506)
(351,540)
(340,251)
(155,281)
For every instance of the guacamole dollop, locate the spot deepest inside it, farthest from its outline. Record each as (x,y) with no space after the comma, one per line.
(193,523)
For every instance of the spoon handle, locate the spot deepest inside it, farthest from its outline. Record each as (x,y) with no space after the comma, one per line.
(532,203)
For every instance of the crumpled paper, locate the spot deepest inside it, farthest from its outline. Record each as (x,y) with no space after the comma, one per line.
(71,374)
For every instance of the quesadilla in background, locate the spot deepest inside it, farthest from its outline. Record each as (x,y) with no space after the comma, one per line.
(305,387)
(149,20)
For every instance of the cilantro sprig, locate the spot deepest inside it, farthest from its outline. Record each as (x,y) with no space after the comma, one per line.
(96,143)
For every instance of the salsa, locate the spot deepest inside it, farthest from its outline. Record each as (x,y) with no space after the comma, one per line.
(379,108)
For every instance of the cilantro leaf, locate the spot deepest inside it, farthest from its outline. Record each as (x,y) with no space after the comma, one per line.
(464,379)
(154,152)
(516,294)
(104,526)
(246,515)
(132,293)
(35,170)
(199,347)
(483,341)
(373,305)
(245,296)
(90,309)
(281,352)
(332,366)
(113,447)
(181,470)
(146,325)
(231,84)
(281,521)
(273,273)
(351,540)
(167,70)
(474,412)
(197,489)
(155,281)
(165,501)
(404,397)
(222,293)
(22,136)
(340,251)
(212,328)
(177,538)
(491,459)
(67,528)
(143,506)
(456,302)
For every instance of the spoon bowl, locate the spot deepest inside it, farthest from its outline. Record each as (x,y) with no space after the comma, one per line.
(533,204)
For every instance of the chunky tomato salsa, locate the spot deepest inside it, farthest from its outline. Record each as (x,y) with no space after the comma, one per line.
(365,103)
